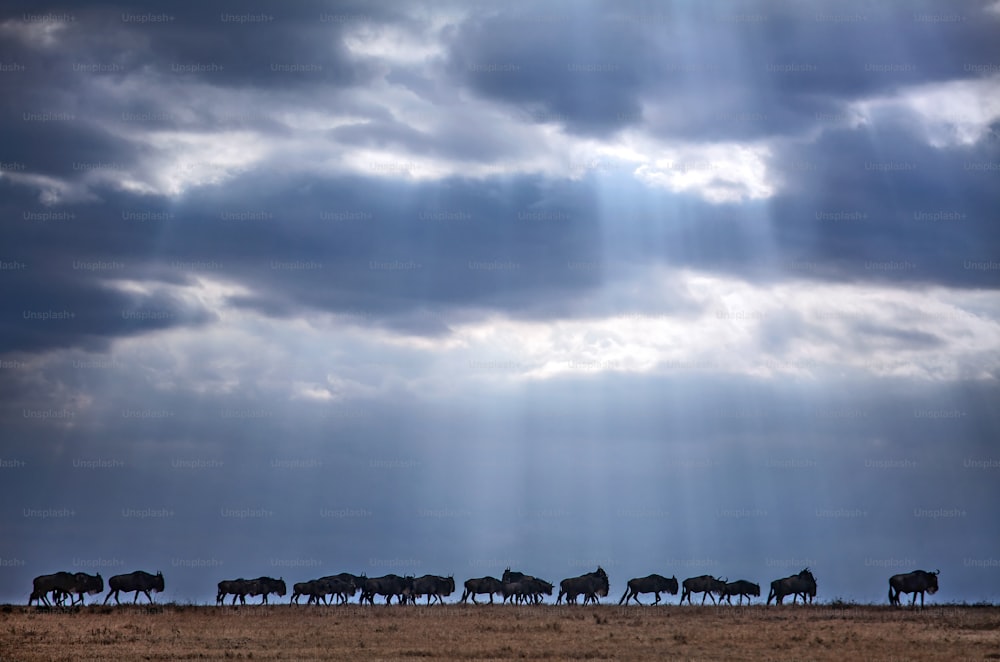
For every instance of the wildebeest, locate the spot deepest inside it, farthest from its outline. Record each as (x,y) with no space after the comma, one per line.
(478,586)
(318,589)
(263,586)
(58,583)
(705,584)
(914,582)
(353,581)
(740,587)
(235,587)
(339,588)
(526,589)
(651,584)
(82,583)
(803,584)
(433,586)
(521,587)
(241,588)
(303,588)
(591,585)
(136,581)
(387,585)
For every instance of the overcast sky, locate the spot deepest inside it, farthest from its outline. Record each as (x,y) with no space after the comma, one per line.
(292,289)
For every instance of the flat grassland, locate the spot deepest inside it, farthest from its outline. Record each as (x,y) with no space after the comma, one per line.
(289,632)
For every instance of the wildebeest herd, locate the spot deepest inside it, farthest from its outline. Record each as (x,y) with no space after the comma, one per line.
(62,585)
(513,587)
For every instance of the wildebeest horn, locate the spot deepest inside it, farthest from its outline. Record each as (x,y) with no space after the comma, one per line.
(937,572)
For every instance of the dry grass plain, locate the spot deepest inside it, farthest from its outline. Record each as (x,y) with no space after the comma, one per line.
(284,632)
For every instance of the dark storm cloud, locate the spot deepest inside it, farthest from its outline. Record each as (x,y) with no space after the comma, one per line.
(581,75)
(759,69)
(61,267)
(494,243)
(406,258)
(410,255)
(223,44)
(874,204)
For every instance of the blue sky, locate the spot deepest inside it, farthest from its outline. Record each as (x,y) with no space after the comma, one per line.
(445,287)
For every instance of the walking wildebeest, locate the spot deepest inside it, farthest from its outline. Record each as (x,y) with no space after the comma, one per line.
(526,589)
(318,589)
(58,583)
(740,587)
(82,583)
(303,588)
(914,582)
(705,584)
(803,584)
(136,581)
(388,585)
(591,585)
(238,588)
(474,587)
(523,587)
(263,586)
(651,584)
(354,581)
(339,589)
(433,586)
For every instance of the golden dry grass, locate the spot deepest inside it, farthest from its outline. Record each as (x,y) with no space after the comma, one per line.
(178,632)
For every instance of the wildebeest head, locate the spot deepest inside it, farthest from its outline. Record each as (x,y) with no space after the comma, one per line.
(932,583)
(158,585)
(807,577)
(90,583)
